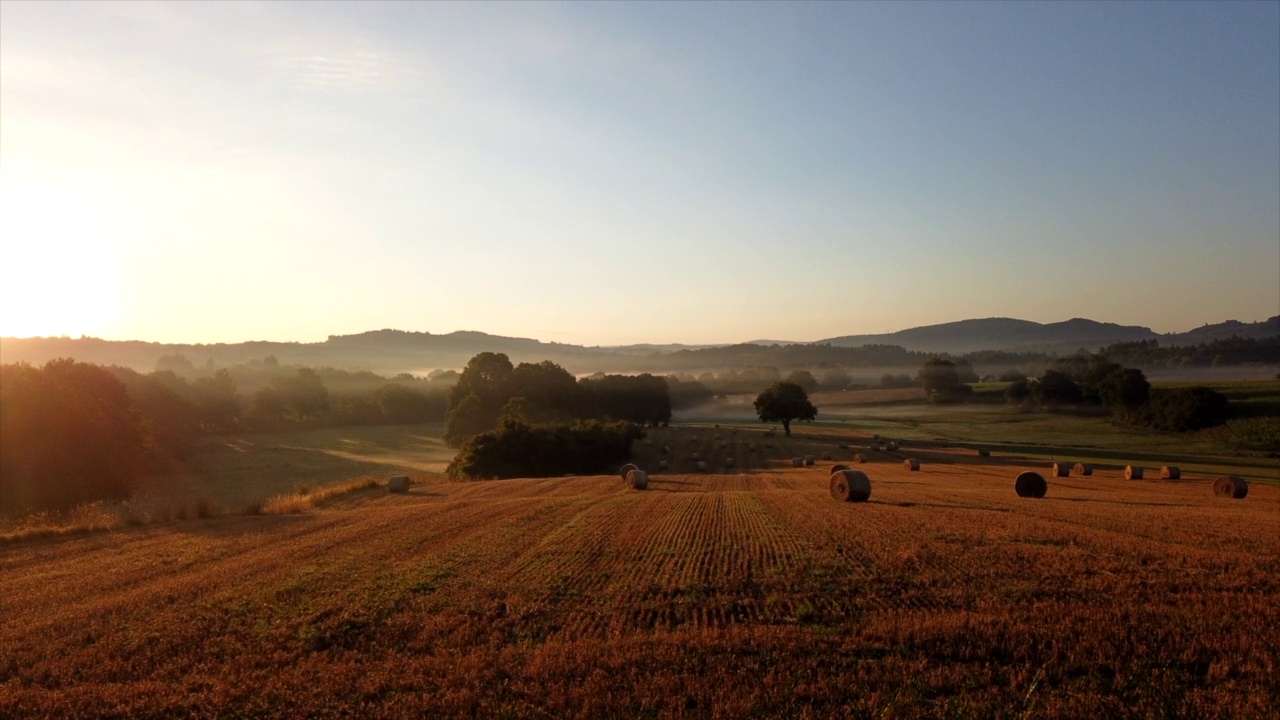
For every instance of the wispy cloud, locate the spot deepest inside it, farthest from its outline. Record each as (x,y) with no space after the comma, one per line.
(343,69)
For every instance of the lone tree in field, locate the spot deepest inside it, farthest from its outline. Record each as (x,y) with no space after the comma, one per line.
(784,402)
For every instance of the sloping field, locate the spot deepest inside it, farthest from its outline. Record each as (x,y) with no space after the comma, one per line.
(712,595)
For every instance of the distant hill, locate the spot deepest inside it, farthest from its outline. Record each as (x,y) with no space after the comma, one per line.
(1221,331)
(1004,334)
(388,352)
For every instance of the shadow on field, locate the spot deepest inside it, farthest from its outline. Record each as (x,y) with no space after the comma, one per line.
(1121,502)
(240,524)
(910,504)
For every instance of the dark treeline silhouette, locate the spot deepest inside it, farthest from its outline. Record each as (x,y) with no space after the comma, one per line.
(491,391)
(1095,380)
(1222,352)
(517,449)
(73,432)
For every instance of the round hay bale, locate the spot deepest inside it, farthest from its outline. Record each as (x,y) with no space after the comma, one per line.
(1082,469)
(893,445)
(398,484)
(638,479)
(859,458)
(728,462)
(662,465)
(983,452)
(809,459)
(876,437)
(648,442)
(911,464)
(696,456)
(838,468)
(701,465)
(1132,472)
(797,462)
(875,446)
(1169,472)
(626,469)
(826,456)
(1232,486)
(1030,484)
(844,446)
(850,486)
(1061,469)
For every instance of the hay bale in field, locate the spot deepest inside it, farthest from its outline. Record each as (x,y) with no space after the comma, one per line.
(1132,472)
(826,456)
(844,446)
(1169,472)
(859,458)
(398,484)
(1061,469)
(893,445)
(701,466)
(662,465)
(838,468)
(809,459)
(1082,469)
(638,479)
(911,464)
(728,462)
(695,456)
(797,462)
(666,450)
(1232,486)
(626,469)
(849,486)
(983,452)
(1030,484)
(875,447)
(876,437)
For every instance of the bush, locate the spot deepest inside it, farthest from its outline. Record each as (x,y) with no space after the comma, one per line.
(1184,409)
(520,450)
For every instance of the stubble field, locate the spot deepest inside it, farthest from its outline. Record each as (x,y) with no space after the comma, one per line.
(748,593)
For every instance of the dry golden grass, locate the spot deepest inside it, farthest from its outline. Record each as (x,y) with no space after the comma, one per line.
(709,595)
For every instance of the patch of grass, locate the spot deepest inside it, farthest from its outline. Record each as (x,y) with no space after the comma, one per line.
(308,499)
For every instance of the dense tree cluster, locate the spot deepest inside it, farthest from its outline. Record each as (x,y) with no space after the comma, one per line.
(945,381)
(516,449)
(74,432)
(1227,351)
(1088,379)
(491,391)
(69,433)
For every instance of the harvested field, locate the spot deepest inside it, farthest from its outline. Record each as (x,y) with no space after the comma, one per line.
(721,595)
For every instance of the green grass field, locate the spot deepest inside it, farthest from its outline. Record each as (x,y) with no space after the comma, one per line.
(235,471)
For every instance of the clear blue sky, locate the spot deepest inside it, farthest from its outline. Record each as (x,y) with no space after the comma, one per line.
(608,173)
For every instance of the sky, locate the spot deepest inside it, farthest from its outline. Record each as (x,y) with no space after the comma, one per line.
(615,173)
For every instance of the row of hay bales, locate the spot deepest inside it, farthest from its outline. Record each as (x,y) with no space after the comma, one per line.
(848,485)
(1131,472)
(1032,484)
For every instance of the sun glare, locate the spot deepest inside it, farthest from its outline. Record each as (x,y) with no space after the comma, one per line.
(57,266)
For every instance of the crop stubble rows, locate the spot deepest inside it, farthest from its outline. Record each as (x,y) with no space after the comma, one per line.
(706,595)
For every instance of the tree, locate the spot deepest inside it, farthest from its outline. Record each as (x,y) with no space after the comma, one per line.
(783,402)
(942,382)
(69,434)
(804,379)
(1056,388)
(1125,390)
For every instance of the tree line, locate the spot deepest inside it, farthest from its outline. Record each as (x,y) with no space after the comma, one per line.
(73,432)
